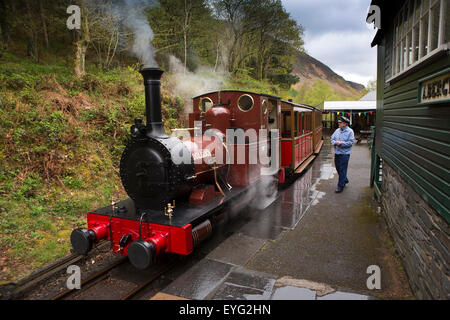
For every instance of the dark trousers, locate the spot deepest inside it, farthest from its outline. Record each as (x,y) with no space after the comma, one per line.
(341,163)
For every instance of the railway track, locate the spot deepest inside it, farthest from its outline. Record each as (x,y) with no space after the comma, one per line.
(93,282)
(101,276)
(90,280)
(35,286)
(129,295)
(26,284)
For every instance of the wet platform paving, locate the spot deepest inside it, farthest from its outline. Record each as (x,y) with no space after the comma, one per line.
(310,244)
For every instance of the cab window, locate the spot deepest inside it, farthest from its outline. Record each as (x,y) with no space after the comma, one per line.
(205,104)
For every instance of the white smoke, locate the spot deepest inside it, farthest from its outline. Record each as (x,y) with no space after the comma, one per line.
(143,33)
(188,84)
(132,14)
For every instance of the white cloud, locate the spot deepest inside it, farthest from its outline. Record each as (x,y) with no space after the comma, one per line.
(337,35)
(347,53)
(354,77)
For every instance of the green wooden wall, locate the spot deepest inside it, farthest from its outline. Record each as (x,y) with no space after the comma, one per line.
(413,138)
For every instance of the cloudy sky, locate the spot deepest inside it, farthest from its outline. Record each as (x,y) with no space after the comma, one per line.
(336,34)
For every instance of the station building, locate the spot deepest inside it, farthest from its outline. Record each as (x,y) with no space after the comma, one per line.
(413,135)
(362,112)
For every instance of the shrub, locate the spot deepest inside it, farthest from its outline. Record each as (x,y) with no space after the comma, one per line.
(90,83)
(53,125)
(72,182)
(29,187)
(15,83)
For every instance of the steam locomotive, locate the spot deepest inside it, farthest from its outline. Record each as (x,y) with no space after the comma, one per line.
(180,187)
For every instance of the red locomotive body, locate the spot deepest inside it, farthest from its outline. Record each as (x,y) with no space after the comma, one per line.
(180,187)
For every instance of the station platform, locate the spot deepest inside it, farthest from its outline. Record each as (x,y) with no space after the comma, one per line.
(310,244)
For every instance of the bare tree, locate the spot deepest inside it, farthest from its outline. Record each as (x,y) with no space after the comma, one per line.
(107,33)
(82,43)
(44,23)
(187,21)
(232,11)
(32,33)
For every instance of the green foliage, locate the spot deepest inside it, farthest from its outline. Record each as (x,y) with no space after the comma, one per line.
(319,92)
(184,29)
(29,187)
(44,138)
(16,79)
(284,80)
(72,182)
(6,182)
(60,149)
(53,125)
(255,38)
(247,83)
(371,85)
(247,38)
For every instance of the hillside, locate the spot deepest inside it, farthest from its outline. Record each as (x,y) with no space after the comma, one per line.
(314,74)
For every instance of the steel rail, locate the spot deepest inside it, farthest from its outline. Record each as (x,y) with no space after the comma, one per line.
(91,280)
(147,282)
(49,270)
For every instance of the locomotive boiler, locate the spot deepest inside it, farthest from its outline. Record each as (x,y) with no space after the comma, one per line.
(149,173)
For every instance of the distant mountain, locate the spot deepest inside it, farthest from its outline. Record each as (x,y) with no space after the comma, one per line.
(311,70)
(355,85)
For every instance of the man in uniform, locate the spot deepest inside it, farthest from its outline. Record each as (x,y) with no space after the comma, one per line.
(342,140)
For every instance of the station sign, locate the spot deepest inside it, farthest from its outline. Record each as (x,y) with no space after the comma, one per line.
(436,88)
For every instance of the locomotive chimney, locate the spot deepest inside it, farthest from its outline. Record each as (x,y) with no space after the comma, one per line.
(152,82)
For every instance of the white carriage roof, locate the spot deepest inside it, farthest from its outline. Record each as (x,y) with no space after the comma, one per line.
(350,105)
(300,109)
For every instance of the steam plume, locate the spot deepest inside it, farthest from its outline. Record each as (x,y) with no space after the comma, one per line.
(132,13)
(189,84)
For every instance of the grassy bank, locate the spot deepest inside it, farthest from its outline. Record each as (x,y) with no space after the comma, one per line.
(61,140)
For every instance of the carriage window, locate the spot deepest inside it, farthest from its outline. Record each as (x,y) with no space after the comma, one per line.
(300,124)
(296,124)
(245,103)
(303,124)
(286,124)
(205,104)
(308,123)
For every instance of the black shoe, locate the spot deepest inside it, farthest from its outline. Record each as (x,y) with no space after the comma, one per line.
(338,190)
(347,182)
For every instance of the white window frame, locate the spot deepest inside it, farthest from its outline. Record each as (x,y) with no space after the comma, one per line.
(402,34)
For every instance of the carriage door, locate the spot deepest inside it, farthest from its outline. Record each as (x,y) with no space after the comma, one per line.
(270,110)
